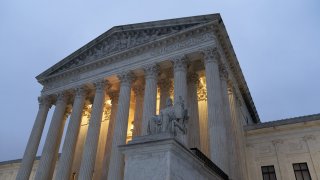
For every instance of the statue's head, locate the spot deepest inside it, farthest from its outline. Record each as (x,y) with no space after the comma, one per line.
(169,102)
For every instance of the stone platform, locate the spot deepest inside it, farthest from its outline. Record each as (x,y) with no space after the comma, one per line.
(162,156)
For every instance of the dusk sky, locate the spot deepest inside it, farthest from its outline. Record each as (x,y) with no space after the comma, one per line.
(277,44)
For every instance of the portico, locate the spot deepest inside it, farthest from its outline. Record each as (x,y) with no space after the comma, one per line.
(113,86)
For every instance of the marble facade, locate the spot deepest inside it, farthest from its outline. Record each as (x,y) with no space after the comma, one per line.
(108,90)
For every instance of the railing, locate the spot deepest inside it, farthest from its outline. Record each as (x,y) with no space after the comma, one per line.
(209,163)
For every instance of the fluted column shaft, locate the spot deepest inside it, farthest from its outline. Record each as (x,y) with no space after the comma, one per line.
(120,131)
(137,122)
(165,86)
(65,162)
(180,78)
(51,146)
(238,135)
(150,96)
(216,126)
(114,96)
(34,139)
(193,123)
(91,144)
(234,172)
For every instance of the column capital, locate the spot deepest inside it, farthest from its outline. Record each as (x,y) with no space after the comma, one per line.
(87,110)
(193,77)
(44,101)
(211,55)
(67,112)
(126,78)
(138,90)
(151,70)
(165,84)
(62,97)
(114,96)
(224,75)
(80,91)
(179,63)
(101,84)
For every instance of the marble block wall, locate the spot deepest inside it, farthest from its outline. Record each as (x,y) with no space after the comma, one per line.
(157,157)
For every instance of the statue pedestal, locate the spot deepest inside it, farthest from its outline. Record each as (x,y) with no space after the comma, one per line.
(161,156)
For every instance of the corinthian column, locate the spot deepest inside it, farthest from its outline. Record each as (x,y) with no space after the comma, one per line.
(120,131)
(216,126)
(150,95)
(114,96)
(137,122)
(193,123)
(238,135)
(34,139)
(91,144)
(234,172)
(51,146)
(180,78)
(65,162)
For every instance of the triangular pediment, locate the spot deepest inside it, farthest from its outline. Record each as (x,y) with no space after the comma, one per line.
(121,38)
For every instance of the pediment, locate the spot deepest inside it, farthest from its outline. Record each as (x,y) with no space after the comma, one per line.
(121,38)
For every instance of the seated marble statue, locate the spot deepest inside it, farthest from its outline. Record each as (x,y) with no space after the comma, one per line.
(171,118)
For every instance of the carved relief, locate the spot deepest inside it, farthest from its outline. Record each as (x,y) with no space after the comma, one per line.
(73,76)
(80,92)
(211,55)
(44,101)
(114,97)
(184,44)
(179,63)
(101,85)
(126,78)
(87,109)
(202,90)
(120,41)
(138,90)
(106,113)
(151,71)
(223,72)
(193,77)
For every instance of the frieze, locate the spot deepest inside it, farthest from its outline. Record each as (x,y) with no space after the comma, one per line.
(120,41)
(183,44)
(63,79)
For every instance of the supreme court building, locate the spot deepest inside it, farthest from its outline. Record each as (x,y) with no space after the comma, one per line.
(113,94)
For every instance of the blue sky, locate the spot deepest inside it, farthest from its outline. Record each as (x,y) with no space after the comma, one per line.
(276,42)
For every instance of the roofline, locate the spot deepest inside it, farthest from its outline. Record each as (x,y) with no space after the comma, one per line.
(19,160)
(281,122)
(15,161)
(150,24)
(233,60)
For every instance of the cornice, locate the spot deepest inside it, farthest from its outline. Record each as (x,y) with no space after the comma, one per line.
(167,40)
(283,122)
(224,40)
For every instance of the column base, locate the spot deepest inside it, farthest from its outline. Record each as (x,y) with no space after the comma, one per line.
(162,156)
